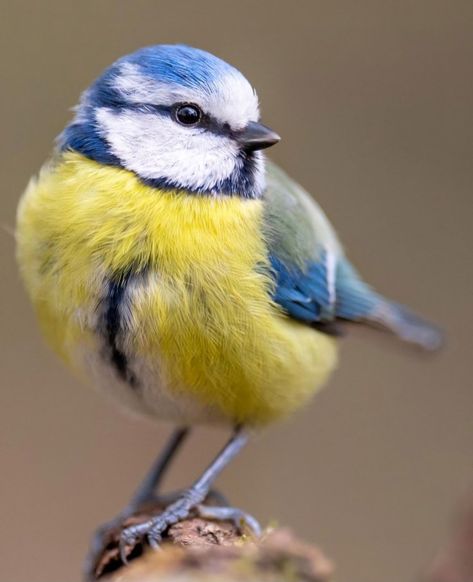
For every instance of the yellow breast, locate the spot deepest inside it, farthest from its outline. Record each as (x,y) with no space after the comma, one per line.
(200,299)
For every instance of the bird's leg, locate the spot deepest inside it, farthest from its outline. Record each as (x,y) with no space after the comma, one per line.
(190,499)
(145,492)
(214,496)
(157,471)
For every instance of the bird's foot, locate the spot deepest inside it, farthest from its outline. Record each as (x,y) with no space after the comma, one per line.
(181,509)
(240,519)
(101,539)
(105,536)
(154,529)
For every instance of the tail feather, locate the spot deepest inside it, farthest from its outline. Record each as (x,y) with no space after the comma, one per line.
(357,301)
(407,325)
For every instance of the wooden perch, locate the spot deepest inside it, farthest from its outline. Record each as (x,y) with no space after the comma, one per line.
(200,550)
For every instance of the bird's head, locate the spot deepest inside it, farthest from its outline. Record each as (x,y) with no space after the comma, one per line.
(179,118)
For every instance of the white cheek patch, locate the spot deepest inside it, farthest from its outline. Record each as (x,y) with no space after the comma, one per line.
(156,147)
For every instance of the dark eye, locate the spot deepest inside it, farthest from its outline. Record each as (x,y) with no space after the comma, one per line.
(188,114)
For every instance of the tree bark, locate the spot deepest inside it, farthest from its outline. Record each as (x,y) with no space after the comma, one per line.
(201,550)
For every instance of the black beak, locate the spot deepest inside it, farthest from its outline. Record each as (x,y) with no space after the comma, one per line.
(256,136)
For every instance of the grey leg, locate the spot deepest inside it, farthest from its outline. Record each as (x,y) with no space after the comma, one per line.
(214,495)
(190,499)
(144,493)
(157,471)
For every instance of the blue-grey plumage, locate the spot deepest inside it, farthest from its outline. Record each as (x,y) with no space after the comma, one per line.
(315,282)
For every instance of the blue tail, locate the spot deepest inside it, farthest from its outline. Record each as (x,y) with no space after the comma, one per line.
(356,301)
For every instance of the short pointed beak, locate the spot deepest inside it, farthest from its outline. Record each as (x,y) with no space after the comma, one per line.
(256,136)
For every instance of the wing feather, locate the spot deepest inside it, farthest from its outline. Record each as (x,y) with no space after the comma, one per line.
(314,281)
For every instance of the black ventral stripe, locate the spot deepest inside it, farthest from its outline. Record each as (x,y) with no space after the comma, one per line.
(113,327)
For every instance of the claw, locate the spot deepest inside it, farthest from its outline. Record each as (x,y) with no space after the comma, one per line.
(129,537)
(252,524)
(122,548)
(153,542)
(154,529)
(126,540)
(239,518)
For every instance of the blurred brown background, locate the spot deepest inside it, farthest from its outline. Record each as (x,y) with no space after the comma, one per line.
(374,101)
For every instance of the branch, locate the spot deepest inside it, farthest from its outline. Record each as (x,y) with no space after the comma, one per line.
(201,550)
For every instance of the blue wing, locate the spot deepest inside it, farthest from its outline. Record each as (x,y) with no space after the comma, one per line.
(326,292)
(306,294)
(314,281)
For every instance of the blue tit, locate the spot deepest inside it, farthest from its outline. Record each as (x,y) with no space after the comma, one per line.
(174,268)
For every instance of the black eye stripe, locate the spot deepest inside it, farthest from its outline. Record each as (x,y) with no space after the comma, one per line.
(207,122)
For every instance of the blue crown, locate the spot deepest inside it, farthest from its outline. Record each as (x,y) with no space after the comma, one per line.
(171,64)
(177,64)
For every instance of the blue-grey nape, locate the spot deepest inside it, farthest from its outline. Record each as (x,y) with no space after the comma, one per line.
(84,137)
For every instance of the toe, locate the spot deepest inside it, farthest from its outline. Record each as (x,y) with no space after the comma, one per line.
(239,518)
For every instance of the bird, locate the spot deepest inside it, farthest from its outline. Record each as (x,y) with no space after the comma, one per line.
(181,272)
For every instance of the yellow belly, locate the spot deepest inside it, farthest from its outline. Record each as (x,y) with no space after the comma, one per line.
(199,303)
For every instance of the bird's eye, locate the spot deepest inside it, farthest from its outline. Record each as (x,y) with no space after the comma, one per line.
(188,114)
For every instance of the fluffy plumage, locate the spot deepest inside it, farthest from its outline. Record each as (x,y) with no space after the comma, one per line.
(161,265)
(198,329)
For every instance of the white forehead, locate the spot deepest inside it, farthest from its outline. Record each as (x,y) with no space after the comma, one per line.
(229,98)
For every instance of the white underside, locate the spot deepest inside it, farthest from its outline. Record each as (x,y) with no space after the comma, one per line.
(151,397)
